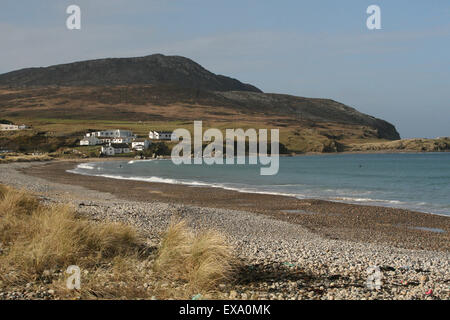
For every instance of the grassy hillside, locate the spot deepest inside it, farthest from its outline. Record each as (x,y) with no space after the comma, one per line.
(171,103)
(63,115)
(418,145)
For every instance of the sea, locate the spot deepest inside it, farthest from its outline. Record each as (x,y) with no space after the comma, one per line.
(416,181)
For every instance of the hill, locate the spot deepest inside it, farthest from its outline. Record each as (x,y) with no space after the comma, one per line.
(166,92)
(152,69)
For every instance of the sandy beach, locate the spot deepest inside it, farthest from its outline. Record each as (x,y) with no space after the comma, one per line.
(295,249)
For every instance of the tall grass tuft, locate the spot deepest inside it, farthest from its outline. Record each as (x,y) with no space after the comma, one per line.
(52,237)
(202,260)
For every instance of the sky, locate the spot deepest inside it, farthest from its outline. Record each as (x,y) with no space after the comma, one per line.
(311,48)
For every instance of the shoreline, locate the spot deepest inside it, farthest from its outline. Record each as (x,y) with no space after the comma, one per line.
(335,220)
(198,184)
(309,258)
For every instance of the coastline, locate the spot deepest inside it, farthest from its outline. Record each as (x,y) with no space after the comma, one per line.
(321,253)
(335,220)
(378,202)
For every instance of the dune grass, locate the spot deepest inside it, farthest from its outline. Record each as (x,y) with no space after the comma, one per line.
(38,242)
(201,259)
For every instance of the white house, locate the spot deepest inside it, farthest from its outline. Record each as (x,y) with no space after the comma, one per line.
(8,127)
(140,145)
(112,134)
(12,127)
(122,140)
(108,136)
(113,149)
(106,140)
(108,150)
(89,141)
(160,135)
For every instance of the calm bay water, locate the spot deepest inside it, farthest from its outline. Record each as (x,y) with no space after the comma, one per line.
(415,181)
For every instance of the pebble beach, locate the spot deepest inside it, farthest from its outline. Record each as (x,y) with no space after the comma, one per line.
(285,253)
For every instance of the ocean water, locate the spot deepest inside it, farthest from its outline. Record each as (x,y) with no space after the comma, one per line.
(414,181)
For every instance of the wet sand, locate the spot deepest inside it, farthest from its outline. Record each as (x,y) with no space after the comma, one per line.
(332,220)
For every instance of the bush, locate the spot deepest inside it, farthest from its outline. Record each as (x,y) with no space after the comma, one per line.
(160,149)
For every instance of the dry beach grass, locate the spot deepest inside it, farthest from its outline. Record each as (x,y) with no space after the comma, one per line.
(40,241)
(201,259)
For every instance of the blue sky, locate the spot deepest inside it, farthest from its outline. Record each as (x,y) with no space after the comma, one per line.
(310,48)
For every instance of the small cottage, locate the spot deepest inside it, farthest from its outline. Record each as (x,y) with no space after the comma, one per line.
(160,135)
(113,149)
(140,145)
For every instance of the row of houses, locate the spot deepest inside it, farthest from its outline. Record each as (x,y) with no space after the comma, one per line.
(108,136)
(12,127)
(121,141)
(112,134)
(120,136)
(112,149)
(95,141)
